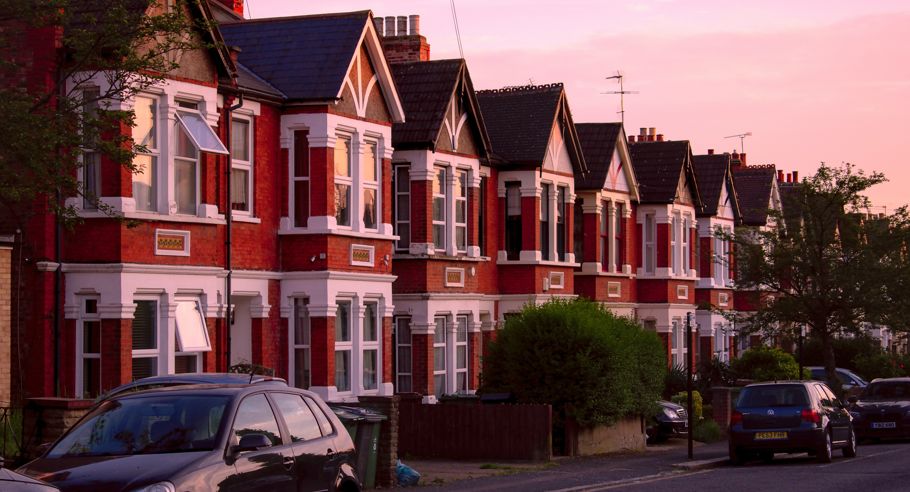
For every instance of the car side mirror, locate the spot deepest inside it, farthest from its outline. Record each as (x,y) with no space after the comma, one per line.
(852,400)
(252,442)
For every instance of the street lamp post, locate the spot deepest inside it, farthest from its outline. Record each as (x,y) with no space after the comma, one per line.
(689,379)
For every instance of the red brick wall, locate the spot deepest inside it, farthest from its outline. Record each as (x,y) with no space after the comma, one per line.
(421,212)
(665,338)
(530,223)
(298,250)
(528,279)
(663,245)
(116,352)
(591,239)
(595,287)
(705,263)
(475,340)
(322,181)
(322,344)
(387,348)
(422,360)
(663,290)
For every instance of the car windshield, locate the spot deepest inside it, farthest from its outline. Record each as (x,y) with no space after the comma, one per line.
(887,390)
(793,395)
(147,425)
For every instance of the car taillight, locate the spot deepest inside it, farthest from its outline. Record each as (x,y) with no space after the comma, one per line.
(736,417)
(810,415)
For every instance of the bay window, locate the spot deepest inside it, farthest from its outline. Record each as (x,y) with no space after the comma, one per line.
(512,223)
(369,177)
(618,247)
(439,209)
(402,207)
(561,197)
(343,346)
(370,347)
(241,166)
(403,368)
(605,236)
(301,344)
(89,366)
(343,181)
(439,356)
(545,221)
(301,178)
(145,135)
(461,211)
(145,339)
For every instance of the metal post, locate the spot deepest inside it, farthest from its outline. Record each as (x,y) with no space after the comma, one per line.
(689,379)
(799,351)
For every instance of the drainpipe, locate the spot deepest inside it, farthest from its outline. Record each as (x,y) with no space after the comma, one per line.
(229,315)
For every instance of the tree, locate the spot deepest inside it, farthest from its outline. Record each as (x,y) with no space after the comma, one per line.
(52,49)
(826,265)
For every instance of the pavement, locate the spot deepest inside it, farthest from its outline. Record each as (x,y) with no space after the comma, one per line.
(569,474)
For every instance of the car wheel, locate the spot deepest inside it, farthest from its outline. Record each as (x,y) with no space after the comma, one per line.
(737,456)
(825,451)
(850,449)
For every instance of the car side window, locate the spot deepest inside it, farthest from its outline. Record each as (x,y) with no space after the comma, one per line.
(324,423)
(830,394)
(301,422)
(255,416)
(822,398)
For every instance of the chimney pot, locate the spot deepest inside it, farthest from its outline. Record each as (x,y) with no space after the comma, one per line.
(710,151)
(796,176)
(390,25)
(631,138)
(789,178)
(780,176)
(402,25)
(652,131)
(414,20)
(660,137)
(643,132)
(742,158)
(379,24)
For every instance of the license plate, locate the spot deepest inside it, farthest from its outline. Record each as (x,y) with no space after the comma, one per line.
(768,436)
(884,425)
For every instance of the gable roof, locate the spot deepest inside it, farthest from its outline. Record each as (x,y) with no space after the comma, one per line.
(520,120)
(426,88)
(753,186)
(599,142)
(658,168)
(713,173)
(308,57)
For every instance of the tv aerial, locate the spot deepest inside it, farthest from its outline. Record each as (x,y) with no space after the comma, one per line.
(622,93)
(742,138)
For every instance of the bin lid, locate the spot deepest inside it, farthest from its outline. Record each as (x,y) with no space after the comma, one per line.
(357,413)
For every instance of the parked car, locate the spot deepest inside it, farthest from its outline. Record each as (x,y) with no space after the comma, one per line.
(882,409)
(203,437)
(851,382)
(791,416)
(671,420)
(190,378)
(11,481)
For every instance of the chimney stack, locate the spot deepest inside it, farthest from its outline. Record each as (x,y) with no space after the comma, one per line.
(379,24)
(780,176)
(402,45)
(660,137)
(710,151)
(652,134)
(631,138)
(796,176)
(788,178)
(742,158)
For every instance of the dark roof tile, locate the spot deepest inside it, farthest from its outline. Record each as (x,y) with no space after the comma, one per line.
(425,89)
(658,167)
(598,143)
(519,120)
(753,187)
(711,171)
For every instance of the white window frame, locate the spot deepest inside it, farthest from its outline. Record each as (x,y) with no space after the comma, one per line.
(292,206)
(154,153)
(440,342)
(196,161)
(561,212)
(546,221)
(462,180)
(370,346)
(301,315)
(244,165)
(440,191)
(193,351)
(345,346)
(650,251)
(686,241)
(406,345)
(604,240)
(153,353)
(371,185)
(81,355)
(404,238)
(675,224)
(462,326)
(345,181)
(90,157)
(618,237)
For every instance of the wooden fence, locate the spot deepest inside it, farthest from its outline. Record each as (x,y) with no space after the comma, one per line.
(475,431)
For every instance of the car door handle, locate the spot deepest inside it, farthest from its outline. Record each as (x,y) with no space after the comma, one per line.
(288,462)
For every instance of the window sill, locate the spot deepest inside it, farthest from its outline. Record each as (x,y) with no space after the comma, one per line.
(299,231)
(189,219)
(464,258)
(539,263)
(246,218)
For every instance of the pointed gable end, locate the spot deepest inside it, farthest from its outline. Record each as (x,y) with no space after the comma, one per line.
(607,157)
(368,90)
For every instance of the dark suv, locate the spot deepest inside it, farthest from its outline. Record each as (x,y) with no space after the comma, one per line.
(792,416)
(203,437)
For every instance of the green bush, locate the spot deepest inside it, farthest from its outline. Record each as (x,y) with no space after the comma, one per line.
(675,381)
(587,363)
(681,398)
(765,364)
(881,365)
(707,431)
(846,351)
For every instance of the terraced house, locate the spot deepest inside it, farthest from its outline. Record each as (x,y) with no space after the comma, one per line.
(317,196)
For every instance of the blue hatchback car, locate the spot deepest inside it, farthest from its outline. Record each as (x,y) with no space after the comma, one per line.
(789,417)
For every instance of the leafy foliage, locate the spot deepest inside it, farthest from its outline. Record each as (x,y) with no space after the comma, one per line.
(682,398)
(826,266)
(589,364)
(846,350)
(675,381)
(766,364)
(881,365)
(53,51)
(707,431)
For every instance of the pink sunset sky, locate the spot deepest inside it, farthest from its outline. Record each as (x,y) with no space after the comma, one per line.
(812,80)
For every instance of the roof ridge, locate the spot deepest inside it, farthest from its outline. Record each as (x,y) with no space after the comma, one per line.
(522,88)
(265,20)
